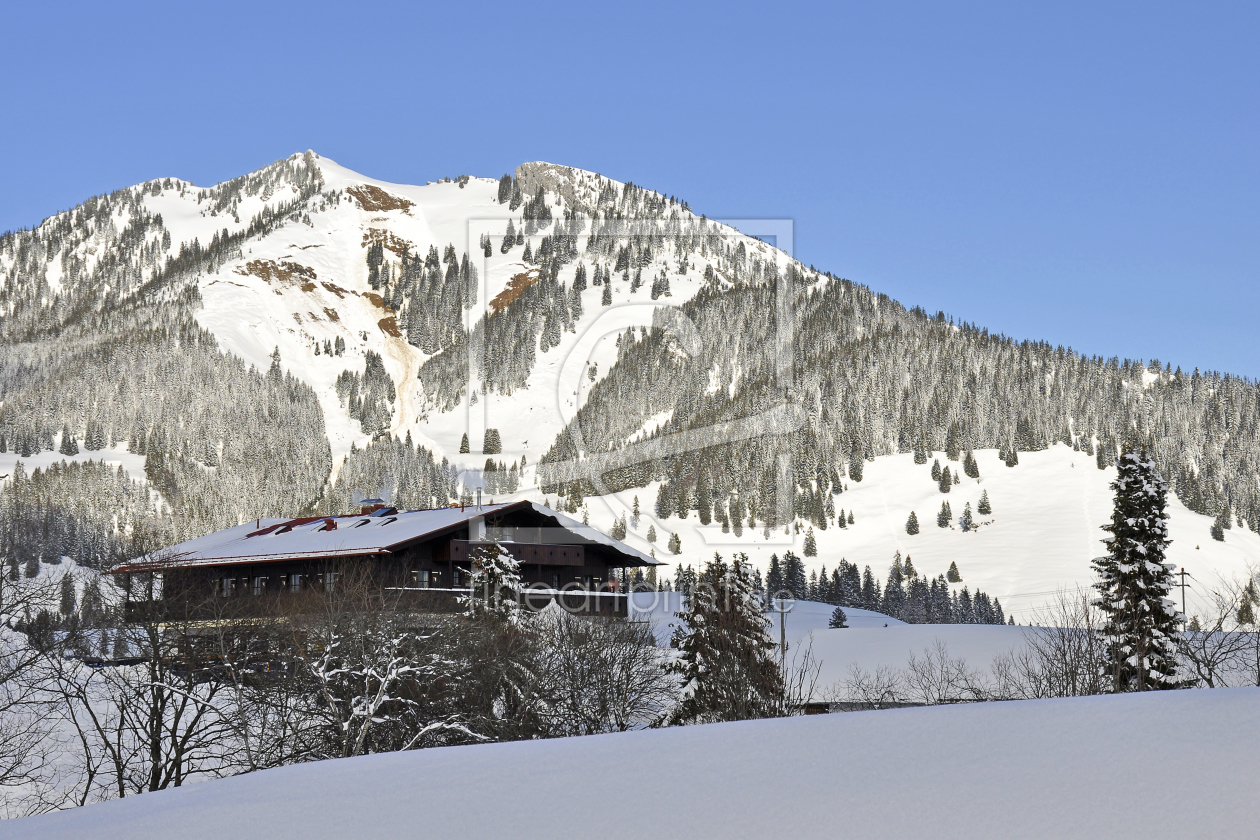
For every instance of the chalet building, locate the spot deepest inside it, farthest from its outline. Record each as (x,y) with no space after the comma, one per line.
(423,553)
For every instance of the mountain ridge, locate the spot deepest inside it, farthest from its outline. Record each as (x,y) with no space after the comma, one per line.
(624,325)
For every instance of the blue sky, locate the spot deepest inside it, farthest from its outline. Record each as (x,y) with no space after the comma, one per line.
(1082,173)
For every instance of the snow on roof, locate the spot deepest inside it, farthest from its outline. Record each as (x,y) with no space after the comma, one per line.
(379,532)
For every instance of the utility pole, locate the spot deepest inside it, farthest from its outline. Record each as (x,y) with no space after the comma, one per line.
(1183,574)
(782,636)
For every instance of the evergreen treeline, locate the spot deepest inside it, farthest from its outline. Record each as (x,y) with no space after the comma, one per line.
(405,475)
(870,377)
(905,594)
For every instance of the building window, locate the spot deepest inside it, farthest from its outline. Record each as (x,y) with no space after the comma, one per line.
(330,580)
(260,585)
(295,583)
(227,584)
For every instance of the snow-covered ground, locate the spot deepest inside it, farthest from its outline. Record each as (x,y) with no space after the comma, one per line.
(800,617)
(1163,764)
(1044,530)
(114,457)
(872,640)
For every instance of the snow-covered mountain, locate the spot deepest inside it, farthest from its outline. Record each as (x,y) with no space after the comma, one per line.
(303,335)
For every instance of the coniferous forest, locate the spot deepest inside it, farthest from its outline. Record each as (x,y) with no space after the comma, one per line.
(102,349)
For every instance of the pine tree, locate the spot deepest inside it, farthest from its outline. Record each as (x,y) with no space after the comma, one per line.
(495,583)
(492,444)
(1219,525)
(726,658)
(870,590)
(67,594)
(965,522)
(675,544)
(1246,615)
(1135,582)
(68,444)
(850,516)
(838,619)
(946,481)
(970,467)
(984,508)
(463,444)
(774,578)
(943,518)
(651,534)
(936,471)
(952,575)
(894,589)
(794,580)
(811,546)
(912,524)
(855,468)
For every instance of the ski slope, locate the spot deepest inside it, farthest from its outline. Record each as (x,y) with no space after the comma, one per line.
(1162,764)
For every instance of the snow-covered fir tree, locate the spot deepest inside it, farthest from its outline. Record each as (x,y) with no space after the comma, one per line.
(725,658)
(1134,582)
(494,585)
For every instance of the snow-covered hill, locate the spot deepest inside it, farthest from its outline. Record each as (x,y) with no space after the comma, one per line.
(1044,529)
(1154,765)
(335,269)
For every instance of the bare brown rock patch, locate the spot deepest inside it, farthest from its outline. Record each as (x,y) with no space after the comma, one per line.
(514,289)
(376,200)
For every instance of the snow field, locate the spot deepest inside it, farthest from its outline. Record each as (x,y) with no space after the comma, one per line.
(1044,530)
(1154,765)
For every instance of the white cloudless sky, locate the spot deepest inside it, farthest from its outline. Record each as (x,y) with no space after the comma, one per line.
(1080,173)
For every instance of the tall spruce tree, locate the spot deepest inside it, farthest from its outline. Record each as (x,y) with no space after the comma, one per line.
(794,579)
(1134,581)
(726,658)
(774,577)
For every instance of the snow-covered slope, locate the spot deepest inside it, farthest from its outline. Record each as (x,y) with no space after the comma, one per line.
(320,292)
(1162,764)
(304,282)
(1045,527)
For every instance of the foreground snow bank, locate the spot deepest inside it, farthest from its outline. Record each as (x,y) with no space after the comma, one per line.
(1171,764)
